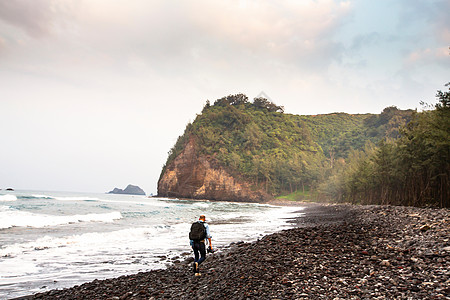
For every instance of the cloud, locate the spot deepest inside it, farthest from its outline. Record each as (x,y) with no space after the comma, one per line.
(213,34)
(429,55)
(365,40)
(430,42)
(2,44)
(293,33)
(443,24)
(36,17)
(427,19)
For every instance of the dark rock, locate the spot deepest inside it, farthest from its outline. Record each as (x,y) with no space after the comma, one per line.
(130,190)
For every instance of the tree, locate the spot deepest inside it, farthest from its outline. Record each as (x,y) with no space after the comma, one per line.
(263,103)
(238,99)
(412,170)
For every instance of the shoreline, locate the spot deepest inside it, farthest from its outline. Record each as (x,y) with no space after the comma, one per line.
(343,251)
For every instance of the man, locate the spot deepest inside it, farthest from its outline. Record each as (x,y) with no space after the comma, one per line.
(199,246)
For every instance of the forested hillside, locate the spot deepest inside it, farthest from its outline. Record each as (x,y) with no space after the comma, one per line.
(339,133)
(413,169)
(366,158)
(395,157)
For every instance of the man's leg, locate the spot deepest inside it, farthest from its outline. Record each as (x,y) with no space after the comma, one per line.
(202,250)
(196,248)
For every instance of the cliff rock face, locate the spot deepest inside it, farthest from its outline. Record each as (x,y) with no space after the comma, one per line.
(198,177)
(130,190)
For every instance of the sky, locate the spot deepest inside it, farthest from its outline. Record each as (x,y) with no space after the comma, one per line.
(94,93)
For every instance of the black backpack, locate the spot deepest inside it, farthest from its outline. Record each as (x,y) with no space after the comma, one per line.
(198,232)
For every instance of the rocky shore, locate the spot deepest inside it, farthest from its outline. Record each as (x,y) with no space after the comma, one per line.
(336,252)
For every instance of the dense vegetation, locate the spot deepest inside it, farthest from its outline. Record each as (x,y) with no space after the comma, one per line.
(256,141)
(411,170)
(397,156)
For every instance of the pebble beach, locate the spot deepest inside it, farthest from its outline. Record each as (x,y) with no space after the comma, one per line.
(334,252)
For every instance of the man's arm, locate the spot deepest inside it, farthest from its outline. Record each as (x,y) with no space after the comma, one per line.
(208,234)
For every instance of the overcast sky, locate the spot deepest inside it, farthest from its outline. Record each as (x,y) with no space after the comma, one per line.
(94,93)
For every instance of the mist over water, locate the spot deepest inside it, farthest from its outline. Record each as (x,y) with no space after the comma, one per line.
(53,240)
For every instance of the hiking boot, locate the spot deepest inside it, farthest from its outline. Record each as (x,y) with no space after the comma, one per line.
(195,268)
(198,274)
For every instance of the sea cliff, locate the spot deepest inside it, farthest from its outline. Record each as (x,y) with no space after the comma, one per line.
(195,176)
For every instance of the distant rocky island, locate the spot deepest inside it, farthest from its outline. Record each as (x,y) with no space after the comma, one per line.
(130,190)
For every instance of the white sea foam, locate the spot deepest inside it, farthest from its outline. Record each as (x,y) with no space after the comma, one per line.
(4,208)
(15,218)
(202,204)
(65,198)
(167,199)
(6,198)
(74,198)
(146,201)
(92,243)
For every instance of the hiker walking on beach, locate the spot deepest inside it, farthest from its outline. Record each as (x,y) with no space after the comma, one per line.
(198,235)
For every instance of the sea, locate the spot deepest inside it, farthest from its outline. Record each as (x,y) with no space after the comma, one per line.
(54,240)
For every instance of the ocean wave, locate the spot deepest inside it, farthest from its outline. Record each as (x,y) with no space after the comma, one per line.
(88,244)
(74,198)
(4,208)
(69,198)
(201,204)
(14,218)
(146,201)
(8,198)
(41,196)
